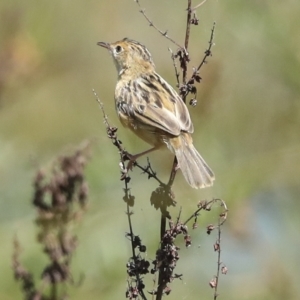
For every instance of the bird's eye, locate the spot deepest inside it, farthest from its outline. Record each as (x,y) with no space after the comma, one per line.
(118,49)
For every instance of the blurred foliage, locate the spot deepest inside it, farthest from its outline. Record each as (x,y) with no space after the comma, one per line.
(247,127)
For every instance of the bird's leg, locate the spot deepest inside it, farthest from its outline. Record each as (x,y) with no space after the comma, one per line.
(133,158)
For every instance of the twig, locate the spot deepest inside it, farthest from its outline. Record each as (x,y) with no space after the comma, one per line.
(163,33)
(134,256)
(179,215)
(161,282)
(105,118)
(189,86)
(207,52)
(175,67)
(187,37)
(198,5)
(148,170)
(207,205)
(217,247)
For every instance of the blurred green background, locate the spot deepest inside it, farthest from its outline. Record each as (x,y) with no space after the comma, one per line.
(247,128)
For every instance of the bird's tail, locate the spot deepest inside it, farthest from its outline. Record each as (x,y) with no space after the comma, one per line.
(194,169)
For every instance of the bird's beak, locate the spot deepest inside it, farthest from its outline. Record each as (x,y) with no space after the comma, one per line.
(104,45)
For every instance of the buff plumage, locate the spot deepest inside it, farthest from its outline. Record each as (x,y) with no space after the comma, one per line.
(153,110)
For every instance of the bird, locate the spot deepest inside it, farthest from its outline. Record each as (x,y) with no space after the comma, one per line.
(154,111)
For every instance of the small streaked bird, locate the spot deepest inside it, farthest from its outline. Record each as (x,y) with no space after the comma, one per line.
(153,110)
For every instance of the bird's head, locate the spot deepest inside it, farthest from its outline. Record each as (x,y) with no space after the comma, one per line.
(130,56)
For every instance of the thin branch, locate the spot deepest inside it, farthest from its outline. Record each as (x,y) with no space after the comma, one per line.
(163,33)
(207,205)
(134,256)
(161,283)
(179,215)
(187,36)
(189,87)
(208,51)
(175,67)
(198,5)
(218,248)
(105,118)
(149,171)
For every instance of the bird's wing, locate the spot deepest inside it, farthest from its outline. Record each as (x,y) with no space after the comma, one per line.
(151,101)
